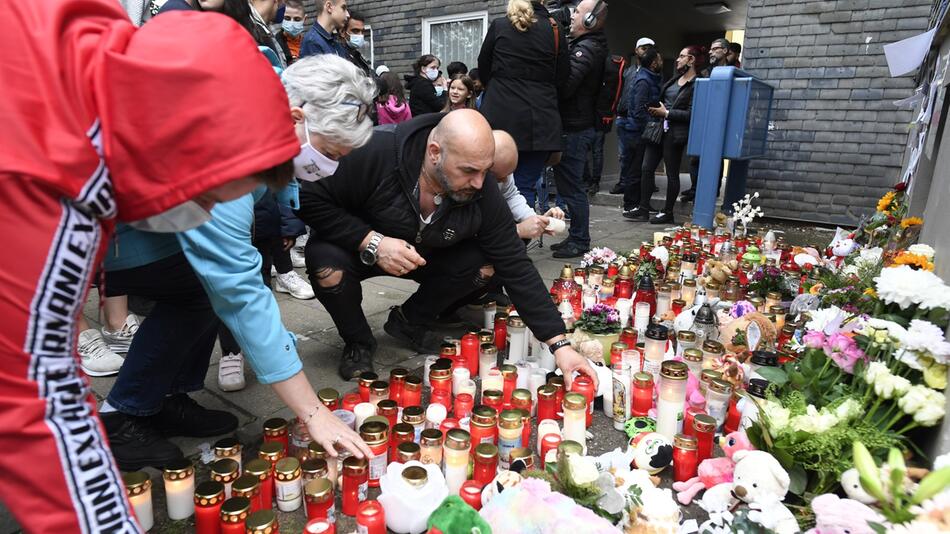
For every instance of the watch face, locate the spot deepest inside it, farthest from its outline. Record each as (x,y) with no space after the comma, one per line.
(368,257)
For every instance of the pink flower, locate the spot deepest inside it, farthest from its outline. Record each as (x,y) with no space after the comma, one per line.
(838,343)
(846,359)
(814,339)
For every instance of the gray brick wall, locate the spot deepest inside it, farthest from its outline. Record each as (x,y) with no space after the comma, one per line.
(838,140)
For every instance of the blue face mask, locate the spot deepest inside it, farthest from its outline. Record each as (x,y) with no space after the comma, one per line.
(292,27)
(357,40)
(439,90)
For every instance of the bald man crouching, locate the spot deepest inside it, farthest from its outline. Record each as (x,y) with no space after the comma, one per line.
(411,204)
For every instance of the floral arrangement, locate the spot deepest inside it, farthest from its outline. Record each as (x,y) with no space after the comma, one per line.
(599,319)
(601,256)
(744,213)
(890,224)
(768,278)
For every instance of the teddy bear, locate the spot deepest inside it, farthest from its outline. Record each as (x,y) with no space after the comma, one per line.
(713,471)
(759,481)
(834,515)
(851,484)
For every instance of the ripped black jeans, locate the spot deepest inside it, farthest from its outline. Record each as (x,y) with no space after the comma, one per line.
(450,274)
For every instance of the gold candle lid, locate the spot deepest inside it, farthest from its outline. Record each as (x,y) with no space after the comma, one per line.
(227,447)
(372,431)
(412,383)
(379,387)
(415,476)
(495,394)
(261,522)
(488,348)
(693,355)
(674,370)
(408,451)
(271,451)
(707,375)
(318,490)
(413,415)
(136,482)
(714,347)
(515,321)
(440,373)
(546,392)
(458,439)
(387,406)
(398,373)
(314,467)
(521,395)
(643,380)
(508,370)
(224,470)
(682,441)
(378,419)
(235,510)
(485,338)
(178,469)
(287,468)
(209,493)
(774,295)
(510,419)
(246,485)
(574,401)
(328,396)
(431,437)
(275,426)
(258,467)
(403,430)
(720,386)
(367,379)
(488,451)
(317,451)
(704,423)
(355,466)
(686,335)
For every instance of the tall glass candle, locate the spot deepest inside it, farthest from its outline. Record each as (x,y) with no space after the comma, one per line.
(376,437)
(225,471)
(470,353)
(388,409)
(455,457)
(509,375)
(663,300)
(483,426)
(408,452)
(399,434)
(585,386)
(546,403)
(516,340)
(486,463)
(464,403)
(330,398)
(694,360)
(411,392)
(440,379)
(234,514)
(685,339)
(264,472)
(460,376)
(510,428)
(642,394)
(654,350)
(276,430)
(669,406)
(287,484)
(179,477)
(431,446)
(378,390)
(138,487)
(365,381)
(688,292)
(312,469)
(487,360)
(209,496)
(557,382)
(488,311)
(641,317)
(397,380)
(355,483)
(704,427)
(718,394)
(435,414)
(712,351)
(415,416)
(501,330)
(685,457)
(575,413)
(621,394)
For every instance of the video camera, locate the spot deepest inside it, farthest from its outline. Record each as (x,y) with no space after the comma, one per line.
(560,11)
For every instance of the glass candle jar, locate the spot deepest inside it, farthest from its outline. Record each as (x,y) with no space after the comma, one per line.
(460,377)
(225,471)
(733,416)
(688,415)
(400,433)
(616,352)
(483,426)
(370,518)
(411,392)
(209,496)
(299,438)
(712,351)
(705,377)
(408,452)
(669,406)
(138,487)
(488,312)
(228,448)
(694,360)
(455,455)
(376,436)
(557,382)
(440,380)
(493,398)
(685,457)
(365,382)
(642,394)
(333,464)
(509,375)
(663,300)
(704,428)
(567,448)
(522,458)
(312,469)
(378,390)
(622,397)
(435,414)
(677,306)
(546,403)
(688,292)
(585,386)
(517,340)
(487,360)
(330,398)
(276,430)
(319,526)
(469,355)
(431,446)
(686,339)
(464,403)
(179,477)
(249,486)
(657,336)
(773,299)
(629,336)
(262,522)
(521,400)
(575,413)
(415,416)
(388,409)
(362,412)
(264,471)
(510,427)
(486,463)
(501,331)
(549,445)
(718,394)
(355,483)
(350,400)
(287,484)
(234,514)
(712,290)
(397,380)
(760,359)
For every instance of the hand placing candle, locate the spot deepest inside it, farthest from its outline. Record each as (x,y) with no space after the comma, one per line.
(327,430)
(570,361)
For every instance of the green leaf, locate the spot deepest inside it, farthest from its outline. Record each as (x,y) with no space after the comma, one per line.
(798,479)
(896,318)
(877,527)
(783,457)
(773,375)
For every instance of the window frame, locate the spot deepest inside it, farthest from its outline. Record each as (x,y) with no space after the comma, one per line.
(427,23)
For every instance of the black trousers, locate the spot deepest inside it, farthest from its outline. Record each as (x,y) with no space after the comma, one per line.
(671,153)
(634,161)
(449,274)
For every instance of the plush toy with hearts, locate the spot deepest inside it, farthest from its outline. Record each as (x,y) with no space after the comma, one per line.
(714,471)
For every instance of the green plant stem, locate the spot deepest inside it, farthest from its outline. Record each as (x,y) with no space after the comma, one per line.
(908,427)
(897,417)
(873,409)
(821,372)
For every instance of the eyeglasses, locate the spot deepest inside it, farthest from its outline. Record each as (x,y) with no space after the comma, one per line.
(362,111)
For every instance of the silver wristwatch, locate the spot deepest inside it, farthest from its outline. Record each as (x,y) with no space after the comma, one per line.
(369,255)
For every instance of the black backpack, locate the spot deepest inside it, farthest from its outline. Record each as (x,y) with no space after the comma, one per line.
(611,91)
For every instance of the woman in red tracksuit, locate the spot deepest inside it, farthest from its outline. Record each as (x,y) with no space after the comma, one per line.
(102,122)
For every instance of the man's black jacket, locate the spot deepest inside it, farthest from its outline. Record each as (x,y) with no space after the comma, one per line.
(374,188)
(588,54)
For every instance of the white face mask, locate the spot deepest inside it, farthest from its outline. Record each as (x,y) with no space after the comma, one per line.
(181,218)
(432,74)
(357,40)
(292,27)
(311,164)
(439,90)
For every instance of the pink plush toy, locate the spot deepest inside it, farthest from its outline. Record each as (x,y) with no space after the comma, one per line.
(714,471)
(834,515)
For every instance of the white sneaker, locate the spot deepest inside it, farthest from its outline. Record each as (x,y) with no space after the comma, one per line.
(295,285)
(119,341)
(297,258)
(96,358)
(231,372)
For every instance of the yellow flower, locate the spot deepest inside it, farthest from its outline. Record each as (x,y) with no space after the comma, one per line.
(885,201)
(815,289)
(935,376)
(915,261)
(870,292)
(911,221)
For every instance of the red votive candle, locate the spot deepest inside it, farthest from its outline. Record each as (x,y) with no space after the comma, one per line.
(209,496)
(471,493)
(585,386)
(371,518)
(234,514)
(642,394)
(685,457)
(704,427)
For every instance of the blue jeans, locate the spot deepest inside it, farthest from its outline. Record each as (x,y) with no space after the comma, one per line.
(172,348)
(530,167)
(593,172)
(569,177)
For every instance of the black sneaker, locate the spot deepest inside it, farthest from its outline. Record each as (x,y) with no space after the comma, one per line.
(637,214)
(448,320)
(562,244)
(617,189)
(182,416)
(357,359)
(571,250)
(688,195)
(418,337)
(662,217)
(136,443)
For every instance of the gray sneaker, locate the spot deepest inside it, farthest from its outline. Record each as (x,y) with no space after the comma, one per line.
(120,341)
(96,358)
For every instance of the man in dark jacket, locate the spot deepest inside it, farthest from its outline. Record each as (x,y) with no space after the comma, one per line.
(331,17)
(624,139)
(588,52)
(645,92)
(411,204)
